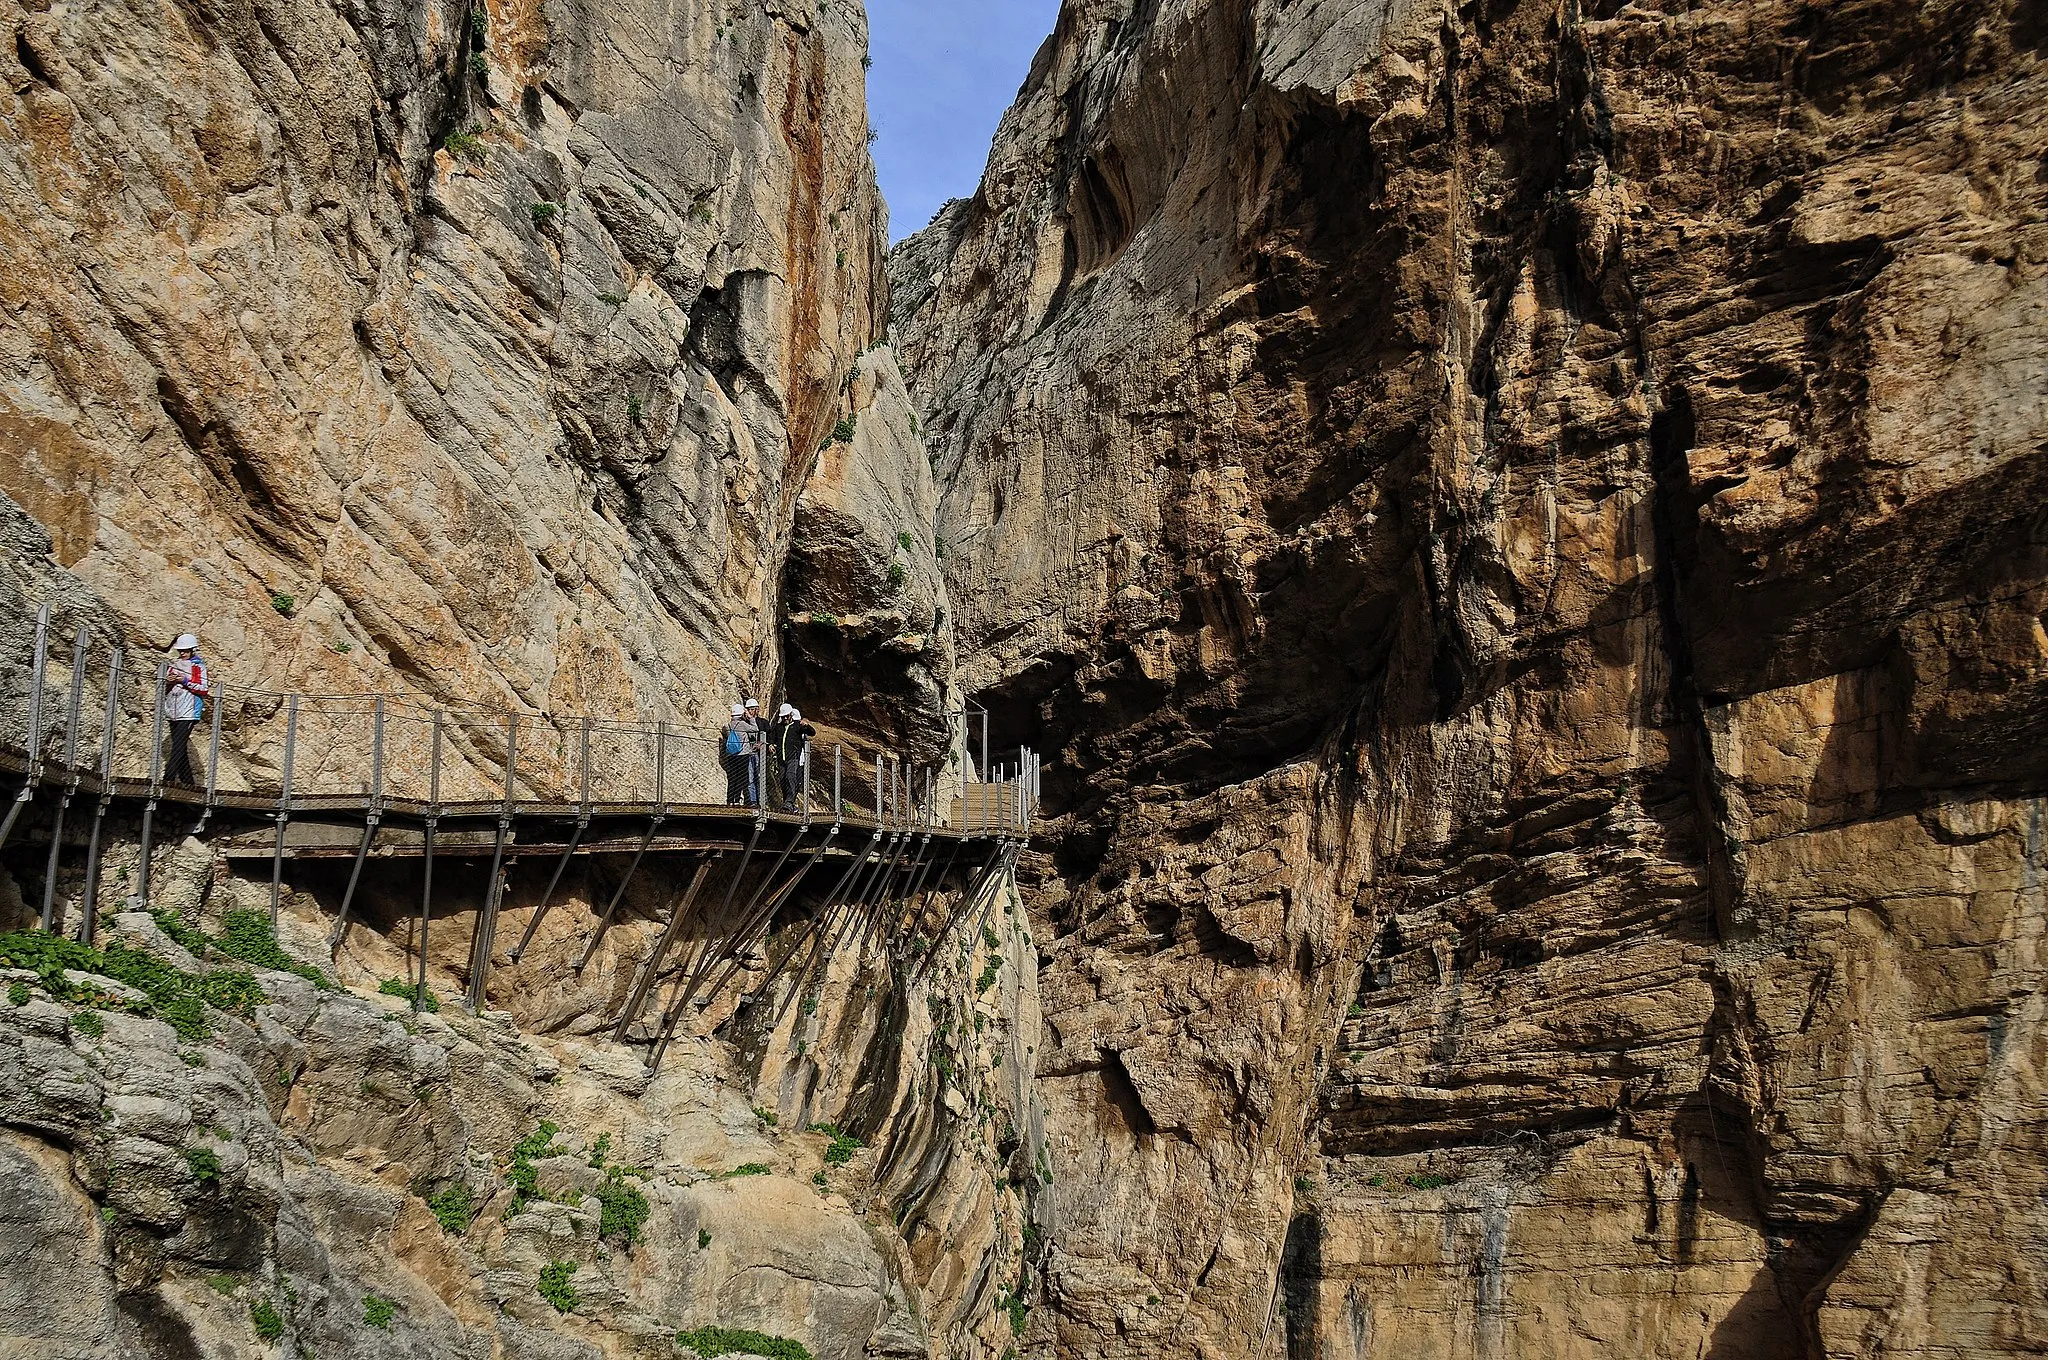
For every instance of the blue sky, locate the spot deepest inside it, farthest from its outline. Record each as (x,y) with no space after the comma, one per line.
(944,72)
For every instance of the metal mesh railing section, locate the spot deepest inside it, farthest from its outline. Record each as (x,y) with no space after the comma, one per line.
(103,713)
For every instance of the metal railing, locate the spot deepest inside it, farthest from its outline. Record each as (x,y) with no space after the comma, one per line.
(81,715)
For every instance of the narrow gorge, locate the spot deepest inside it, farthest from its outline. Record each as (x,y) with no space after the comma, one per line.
(1519,533)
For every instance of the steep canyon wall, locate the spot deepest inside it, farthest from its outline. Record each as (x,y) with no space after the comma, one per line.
(1524,526)
(501,357)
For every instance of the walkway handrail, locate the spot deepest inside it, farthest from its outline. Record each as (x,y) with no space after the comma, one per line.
(286,753)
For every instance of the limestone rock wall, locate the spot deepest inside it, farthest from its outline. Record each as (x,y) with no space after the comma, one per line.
(1523,527)
(482,345)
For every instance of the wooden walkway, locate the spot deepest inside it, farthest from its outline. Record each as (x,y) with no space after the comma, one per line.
(874,851)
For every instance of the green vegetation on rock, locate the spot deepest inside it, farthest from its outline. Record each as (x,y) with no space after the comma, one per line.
(710,1341)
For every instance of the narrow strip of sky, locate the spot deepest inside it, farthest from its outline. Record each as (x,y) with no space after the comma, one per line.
(944,72)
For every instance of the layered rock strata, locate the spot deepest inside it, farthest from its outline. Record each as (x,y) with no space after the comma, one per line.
(486,345)
(1524,527)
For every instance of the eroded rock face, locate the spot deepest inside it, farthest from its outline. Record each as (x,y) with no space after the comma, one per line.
(498,337)
(1525,530)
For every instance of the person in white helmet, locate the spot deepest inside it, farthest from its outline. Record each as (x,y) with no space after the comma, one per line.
(753,735)
(790,739)
(736,752)
(187,687)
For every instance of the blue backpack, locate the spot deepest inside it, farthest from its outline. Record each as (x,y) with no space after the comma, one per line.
(734,743)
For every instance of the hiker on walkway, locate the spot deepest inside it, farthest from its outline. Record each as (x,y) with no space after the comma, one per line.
(187,687)
(740,749)
(791,741)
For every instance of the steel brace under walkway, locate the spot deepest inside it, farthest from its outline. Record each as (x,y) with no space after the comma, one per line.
(877,842)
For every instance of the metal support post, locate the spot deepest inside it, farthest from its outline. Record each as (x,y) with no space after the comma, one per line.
(645,980)
(970,900)
(86,928)
(562,864)
(824,924)
(604,922)
(212,758)
(35,724)
(756,927)
(156,781)
(838,773)
(419,991)
(487,922)
(70,781)
(372,816)
(284,799)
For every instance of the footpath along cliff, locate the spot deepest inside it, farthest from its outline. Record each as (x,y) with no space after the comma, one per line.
(1523,530)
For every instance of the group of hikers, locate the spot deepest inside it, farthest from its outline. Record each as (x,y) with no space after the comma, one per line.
(747,747)
(749,744)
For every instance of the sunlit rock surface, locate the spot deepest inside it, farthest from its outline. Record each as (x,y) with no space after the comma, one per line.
(1524,529)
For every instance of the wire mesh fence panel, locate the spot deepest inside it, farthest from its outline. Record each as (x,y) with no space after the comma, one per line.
(473,751)
(621,763)
(334,749)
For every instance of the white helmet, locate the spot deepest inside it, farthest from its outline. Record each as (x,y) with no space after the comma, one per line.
(785,712)
(739,710)
(753,703)
(185,643)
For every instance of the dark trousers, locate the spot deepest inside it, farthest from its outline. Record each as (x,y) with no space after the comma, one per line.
(793,784)
(738,786)
(178,768)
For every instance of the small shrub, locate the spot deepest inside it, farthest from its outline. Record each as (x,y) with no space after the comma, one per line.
(634,409)
(818,1179)
(843,431)
(378,1312)
(341,648)
(1424,1182)
(905,541)
(599,1149)
(89,1024)
(467,146)
(269,1322)
(192,1059)
(612,299)
(555,1286)
(1152,1299)
(247,936)
(897,575)
(735,1341)
(543,213)
(185,937)
(989,974)
(701,213)
(703,1238)
(1304,1186)
(479,66)
(824,620)
(223,1283)
(454,1206)
(867,63)
(843,1145)
(204,1164)
(842,259)
(522,1176)
(745,1169)
(940,549)
(284,603)
(478,19)
(761,1112)
(410,991)
(913,423)
(18,993)
(624,1209)
(1014,1305)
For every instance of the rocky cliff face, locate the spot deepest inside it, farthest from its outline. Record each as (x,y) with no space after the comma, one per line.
(1524,527)
(492,343)
(500,356)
